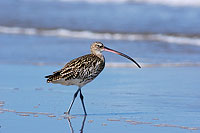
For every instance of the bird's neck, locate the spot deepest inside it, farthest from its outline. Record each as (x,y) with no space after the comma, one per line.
(99,54)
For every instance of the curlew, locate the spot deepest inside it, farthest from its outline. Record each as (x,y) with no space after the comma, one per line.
(83,70)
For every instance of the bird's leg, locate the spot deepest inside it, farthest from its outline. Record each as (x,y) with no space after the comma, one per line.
(75,95)
(70,125)
(81,97)
(83,123)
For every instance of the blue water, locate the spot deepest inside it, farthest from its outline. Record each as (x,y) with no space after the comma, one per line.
(103,17)
(106,19)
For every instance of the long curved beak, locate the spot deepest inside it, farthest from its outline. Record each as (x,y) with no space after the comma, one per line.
(119,53)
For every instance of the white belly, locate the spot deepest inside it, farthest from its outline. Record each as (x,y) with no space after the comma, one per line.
(69,82)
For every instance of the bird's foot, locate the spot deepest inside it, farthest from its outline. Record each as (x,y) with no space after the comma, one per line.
(67,113)
(68,116)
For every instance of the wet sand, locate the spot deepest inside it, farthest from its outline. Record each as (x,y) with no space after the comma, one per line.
(154,99)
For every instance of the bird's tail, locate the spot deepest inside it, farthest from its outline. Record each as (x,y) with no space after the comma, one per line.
(55,76)
(49,78)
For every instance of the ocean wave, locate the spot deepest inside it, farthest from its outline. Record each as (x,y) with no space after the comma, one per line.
(131,65)
(162,2)
(177,39)
(147,65)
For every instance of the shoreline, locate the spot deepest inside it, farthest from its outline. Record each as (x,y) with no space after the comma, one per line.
(118,64)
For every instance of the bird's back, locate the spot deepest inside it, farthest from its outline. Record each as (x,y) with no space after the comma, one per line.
(79,71)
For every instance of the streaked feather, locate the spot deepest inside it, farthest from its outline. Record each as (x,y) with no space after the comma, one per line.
(83,69)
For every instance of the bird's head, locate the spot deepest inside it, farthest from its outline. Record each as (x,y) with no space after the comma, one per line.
(98,47)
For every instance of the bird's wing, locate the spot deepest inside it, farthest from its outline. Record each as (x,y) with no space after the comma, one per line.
(85,67)
(78,68)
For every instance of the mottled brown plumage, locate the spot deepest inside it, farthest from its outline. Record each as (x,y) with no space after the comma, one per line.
(82,70)
(79,71)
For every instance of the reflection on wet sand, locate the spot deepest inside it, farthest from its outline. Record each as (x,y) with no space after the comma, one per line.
(70,124)
(127,120)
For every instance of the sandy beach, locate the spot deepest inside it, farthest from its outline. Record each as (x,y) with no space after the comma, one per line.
(159,99)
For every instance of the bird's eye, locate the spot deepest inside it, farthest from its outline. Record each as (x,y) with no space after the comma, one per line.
(100,46)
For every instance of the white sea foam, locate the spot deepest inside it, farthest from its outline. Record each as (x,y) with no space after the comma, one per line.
(132,65)
(102,36)
(162,2)
(173,2)
(144,65)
